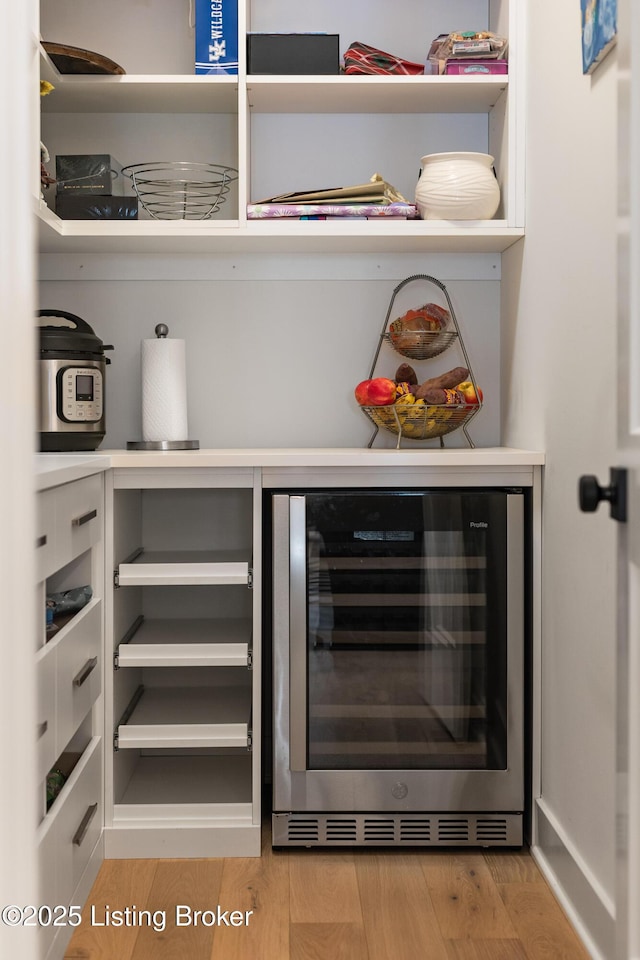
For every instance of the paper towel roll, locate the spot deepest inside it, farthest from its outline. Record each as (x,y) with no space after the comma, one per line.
(164,390)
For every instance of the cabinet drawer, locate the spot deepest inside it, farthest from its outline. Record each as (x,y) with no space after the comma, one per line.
(78,517)
(45,712)
(45,534)
(78,822)
(78,670)
(47,883)
(69,832)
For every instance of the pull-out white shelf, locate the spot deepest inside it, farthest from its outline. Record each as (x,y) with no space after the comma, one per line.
(222,642)
(166,567)
(193,806)
(165,717)
(165,783)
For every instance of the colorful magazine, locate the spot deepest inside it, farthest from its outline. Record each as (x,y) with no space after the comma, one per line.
(269,211)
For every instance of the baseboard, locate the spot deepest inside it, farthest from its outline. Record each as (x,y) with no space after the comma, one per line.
(181,842)
(587,905)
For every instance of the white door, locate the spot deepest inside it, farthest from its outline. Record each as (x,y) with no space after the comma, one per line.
(628,442)
(19,164)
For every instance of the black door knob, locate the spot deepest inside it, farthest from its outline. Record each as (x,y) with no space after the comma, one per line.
(590,493)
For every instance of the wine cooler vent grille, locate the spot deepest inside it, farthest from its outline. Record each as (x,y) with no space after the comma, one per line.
(420,829)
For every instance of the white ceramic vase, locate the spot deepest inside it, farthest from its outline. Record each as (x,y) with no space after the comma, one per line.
(457,186)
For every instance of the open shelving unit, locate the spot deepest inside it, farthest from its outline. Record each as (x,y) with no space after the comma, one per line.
(257,124)
(183,697)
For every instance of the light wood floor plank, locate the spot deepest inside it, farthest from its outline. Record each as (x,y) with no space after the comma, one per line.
(465,897)
(540,923)
(399,921)
(387,913)
(328,941)
(119,884)
(260,884)
(324,887)
(192,883)
(485,950)
(509,866)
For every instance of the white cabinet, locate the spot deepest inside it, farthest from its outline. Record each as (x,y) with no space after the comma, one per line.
(284,132)
(183,699)
(69,551)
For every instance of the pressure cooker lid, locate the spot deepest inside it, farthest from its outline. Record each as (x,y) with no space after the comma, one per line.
(63,332)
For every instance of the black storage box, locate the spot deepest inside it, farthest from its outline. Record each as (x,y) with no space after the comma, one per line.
(71,206)
(88,173)
(293,53)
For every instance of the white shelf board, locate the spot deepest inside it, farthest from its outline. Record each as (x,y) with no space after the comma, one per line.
(353,94)
(139,93)
(188,643)
(171,567)
(188,717)
(160,782)
(271,236)
(162,93)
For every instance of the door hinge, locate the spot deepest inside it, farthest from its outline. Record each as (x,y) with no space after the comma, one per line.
(116,742)
(250,579)
(116,659)
(249,741)
(116,579)
(250,660)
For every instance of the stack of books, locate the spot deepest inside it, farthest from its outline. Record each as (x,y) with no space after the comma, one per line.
(365,201)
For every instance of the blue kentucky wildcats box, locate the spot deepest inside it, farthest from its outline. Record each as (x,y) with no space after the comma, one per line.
(216,36)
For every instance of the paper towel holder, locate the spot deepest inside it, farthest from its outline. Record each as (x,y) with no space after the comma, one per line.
(161,331)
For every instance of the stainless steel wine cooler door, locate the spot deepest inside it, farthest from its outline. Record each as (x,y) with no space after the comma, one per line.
(398,628)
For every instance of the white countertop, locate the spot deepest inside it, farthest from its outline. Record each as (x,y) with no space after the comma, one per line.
(325,457)
(55,468)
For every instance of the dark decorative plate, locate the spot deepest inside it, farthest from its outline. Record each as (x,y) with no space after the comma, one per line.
(68,59)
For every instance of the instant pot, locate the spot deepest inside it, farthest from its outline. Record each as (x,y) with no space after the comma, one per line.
(72,387)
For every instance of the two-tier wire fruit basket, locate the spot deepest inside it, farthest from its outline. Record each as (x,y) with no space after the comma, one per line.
(412,419)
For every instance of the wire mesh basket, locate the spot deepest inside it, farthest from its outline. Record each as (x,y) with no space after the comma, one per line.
(421,421)
(420,344)
(180,189)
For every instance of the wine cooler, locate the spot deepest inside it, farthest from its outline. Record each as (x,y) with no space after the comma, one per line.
(398,636)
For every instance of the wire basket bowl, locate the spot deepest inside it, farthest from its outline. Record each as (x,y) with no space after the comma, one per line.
(420,344)
(180,189)
(421,421)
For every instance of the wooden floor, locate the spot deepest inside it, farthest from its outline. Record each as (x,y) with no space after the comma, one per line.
(329,904)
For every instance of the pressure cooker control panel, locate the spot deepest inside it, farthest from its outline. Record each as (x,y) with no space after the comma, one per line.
(80,394)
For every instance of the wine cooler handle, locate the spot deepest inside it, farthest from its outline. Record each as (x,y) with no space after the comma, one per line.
(298,634)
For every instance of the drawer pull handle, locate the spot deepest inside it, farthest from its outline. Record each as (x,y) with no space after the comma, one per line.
(42,728)
(79,835)
(41,541)
(80,521)
(88,668)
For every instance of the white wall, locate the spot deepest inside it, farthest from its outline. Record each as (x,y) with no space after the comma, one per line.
(559,383)
(276,345)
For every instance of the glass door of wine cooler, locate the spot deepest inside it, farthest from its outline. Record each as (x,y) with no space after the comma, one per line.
(398,650)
